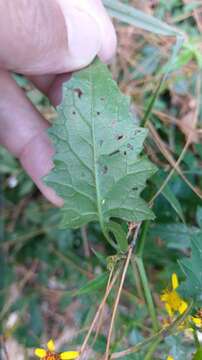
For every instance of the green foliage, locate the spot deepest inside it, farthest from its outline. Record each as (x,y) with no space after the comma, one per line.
(176,235)
(192,287)
(132,16)
(198,354)
(98,168)
(168,194)
(52,280)
(92,286)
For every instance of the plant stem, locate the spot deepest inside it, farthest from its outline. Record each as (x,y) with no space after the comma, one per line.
(159,335)
(141,241)
(152,102)
(110,285)
(117,302)
(147,292)
(140,244)
(152,349)
(137,280)
(196,339)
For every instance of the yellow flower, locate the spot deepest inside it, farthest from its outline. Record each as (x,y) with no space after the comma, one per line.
(50,354)
(170,358)
(197,321)
(173,301)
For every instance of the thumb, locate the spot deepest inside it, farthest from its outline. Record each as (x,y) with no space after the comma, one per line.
(53,36)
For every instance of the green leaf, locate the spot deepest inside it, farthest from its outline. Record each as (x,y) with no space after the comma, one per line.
(168,194)
(98,168)
(199,216)
(132,16)
(198,354)
(176,236)
(192,268)
(120,235)
(100,257)
(93,285)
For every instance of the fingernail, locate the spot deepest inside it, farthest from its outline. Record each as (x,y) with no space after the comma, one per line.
(83,36)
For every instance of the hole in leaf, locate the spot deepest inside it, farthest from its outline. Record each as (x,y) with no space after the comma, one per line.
(104,169)
(98,113)
(125,153)
(114,152)
(135,189)
(129,146)
(120,137)
(102,99)
(74,112)
(78,92)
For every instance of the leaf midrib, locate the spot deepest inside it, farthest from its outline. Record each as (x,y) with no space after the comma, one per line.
(95,157)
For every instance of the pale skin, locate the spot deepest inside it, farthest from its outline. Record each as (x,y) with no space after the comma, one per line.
(44,40)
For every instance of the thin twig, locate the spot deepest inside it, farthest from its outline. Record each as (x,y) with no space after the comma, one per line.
(107,292)
(117,302)
(175,166)
(171,161)
(187,144)
(128,259)
(4,348)
(101,314)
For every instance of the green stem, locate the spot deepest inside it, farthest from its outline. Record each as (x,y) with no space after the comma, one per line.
(137,280)
(152,102)
(140,244)
(142,239)
(163,333)
(152,349)
(196,339)
(147,292)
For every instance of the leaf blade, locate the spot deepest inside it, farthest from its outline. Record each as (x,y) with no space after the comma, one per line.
(192,286)
(98,170)
(132,16)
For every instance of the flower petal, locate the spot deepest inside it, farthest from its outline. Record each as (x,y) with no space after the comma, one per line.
(169,309)
(69,355)
(51,345)
(197,321)
(183,307)
(170,358)
(175,282)
(164,296)
(41,353)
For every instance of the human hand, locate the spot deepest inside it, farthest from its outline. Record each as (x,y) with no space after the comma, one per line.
(44,40)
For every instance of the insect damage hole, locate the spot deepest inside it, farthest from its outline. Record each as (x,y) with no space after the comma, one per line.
(78,92)
(119,137)
(129,146)
(104,169)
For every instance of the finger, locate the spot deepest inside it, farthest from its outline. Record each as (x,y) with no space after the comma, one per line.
(55,36)
(23,133)
(42,82)
(51,86)
(97,11)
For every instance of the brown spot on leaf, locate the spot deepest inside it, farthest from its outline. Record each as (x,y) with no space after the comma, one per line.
(78,92)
